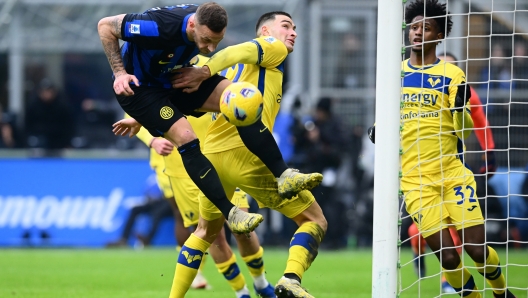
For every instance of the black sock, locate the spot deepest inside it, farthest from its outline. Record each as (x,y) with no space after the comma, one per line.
(259,140)
(292,276)
(204,175)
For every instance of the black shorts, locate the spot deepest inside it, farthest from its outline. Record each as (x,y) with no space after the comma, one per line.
(157,109)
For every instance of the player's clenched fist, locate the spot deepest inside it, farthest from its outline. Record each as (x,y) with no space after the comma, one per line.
(122,84)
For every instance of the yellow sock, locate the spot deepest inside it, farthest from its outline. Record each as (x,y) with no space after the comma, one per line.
(202,264)
(460,279)
(255,263)
(189,260)
(304,247)
(492,271)
(230,270)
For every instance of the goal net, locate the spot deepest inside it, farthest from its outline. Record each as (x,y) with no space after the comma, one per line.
(489,42)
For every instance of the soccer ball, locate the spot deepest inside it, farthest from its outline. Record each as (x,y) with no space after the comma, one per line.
(241,104)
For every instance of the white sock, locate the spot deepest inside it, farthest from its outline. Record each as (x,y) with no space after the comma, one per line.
(242,292)
(260,281)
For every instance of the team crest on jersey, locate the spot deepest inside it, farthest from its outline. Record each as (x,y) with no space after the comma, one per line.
(166,112)
(247,92)
(434,81)
(214,116)
(270,39)
(134,29)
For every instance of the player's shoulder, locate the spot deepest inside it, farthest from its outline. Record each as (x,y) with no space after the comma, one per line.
(270,43)
(450,69)
(173,13)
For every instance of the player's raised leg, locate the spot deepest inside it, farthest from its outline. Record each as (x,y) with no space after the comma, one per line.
(204,175)
(260,141)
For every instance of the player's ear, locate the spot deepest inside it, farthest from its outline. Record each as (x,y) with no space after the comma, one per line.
(264,30)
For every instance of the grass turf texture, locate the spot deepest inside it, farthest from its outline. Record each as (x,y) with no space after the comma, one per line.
(49,273)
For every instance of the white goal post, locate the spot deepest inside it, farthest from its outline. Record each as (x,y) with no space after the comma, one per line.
(387,158)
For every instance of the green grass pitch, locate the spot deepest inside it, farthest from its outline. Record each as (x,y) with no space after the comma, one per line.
(50,273)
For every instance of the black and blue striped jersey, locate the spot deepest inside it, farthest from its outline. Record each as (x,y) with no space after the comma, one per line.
(156,43)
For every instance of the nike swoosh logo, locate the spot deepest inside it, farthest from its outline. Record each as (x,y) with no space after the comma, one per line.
(163,62)
(262,130)
(201,177)
(472,208)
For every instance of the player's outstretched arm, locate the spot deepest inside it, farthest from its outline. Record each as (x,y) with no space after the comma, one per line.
(126,126)
(109,30)
(190,78)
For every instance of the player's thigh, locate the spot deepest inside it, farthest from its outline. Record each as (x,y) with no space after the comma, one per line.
(205,99)
(423,200)
(250,174)
(460,197)
(208,210)
(152,108)
(164,184)
(186,195)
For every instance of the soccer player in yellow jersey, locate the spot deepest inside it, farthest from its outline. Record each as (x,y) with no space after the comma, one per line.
(160,148)
(175,180)
(187,193)
(439,190)
(259,62)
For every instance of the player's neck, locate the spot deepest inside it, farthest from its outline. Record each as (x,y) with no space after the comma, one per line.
(417,59)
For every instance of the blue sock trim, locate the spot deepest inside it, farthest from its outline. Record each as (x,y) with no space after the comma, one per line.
(305,240)
(469,286)
(256,263)
(189,257)
(231,272)
(492,275)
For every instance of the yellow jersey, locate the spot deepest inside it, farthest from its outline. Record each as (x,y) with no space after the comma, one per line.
(263,67)
(428,138)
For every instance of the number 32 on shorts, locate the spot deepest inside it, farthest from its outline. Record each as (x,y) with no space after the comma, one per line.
(459,192)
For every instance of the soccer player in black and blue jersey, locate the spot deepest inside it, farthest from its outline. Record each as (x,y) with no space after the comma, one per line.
(157,43)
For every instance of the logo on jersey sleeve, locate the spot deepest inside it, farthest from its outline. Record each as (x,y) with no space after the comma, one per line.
(166,112)
(134,29)
(270,39)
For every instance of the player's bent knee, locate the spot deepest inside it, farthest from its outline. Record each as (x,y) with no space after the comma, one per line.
(209,230)
(181,132)
(450,259)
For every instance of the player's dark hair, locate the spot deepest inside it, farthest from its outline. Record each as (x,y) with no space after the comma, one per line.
(430,9)
(269,16)
(212,15)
